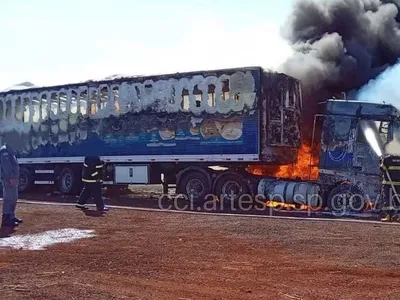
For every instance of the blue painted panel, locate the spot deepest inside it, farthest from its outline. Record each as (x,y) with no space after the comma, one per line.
(214,135)
(336,160)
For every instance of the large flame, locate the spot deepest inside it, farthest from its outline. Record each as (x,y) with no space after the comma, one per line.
(306,167)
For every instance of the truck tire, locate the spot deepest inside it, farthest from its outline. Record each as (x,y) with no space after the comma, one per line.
(195,186)
(25,180)
(69,181)
(345,197)
(230,187)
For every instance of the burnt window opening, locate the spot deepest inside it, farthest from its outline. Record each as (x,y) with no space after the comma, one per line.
(225,90)
(103,97)
(275,134)
(35,109)
(287,90)
(197,95)
(211,95)
(236,97)
(185,99)
(43,107)
(93,106)
(292,102)
(18,113)
(283,95)
(74,102)
(26,105)
(297,94)
(54,104)
(9,109)
(116,98)
(138,93)
(148,88)
(63,102)
(83,103)
(171,99)
(274,106)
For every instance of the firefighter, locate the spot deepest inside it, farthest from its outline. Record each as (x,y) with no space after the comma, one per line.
(92,178)
(9,177)
(390,168)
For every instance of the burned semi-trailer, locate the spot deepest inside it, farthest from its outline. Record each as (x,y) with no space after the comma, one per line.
(167,129)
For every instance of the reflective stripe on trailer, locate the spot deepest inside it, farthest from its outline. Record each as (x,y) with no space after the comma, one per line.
(44,171)
(147,158)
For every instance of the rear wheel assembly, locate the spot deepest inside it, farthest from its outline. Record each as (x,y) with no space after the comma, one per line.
(230,188)
(195,186)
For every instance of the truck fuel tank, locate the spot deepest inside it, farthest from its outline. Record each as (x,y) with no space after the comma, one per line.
(290,192)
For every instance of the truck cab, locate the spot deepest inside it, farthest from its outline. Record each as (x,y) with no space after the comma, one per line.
(354,136)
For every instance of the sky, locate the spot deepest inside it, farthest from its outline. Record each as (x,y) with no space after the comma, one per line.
(50,42)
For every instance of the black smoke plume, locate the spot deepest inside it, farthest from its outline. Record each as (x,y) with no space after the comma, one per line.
(339,45)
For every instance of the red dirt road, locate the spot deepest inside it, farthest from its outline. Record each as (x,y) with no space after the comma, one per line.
(158,255)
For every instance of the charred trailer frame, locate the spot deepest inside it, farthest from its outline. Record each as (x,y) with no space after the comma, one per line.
(166,129)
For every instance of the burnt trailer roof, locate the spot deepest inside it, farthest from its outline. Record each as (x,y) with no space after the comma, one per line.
(142,78)
(361,109)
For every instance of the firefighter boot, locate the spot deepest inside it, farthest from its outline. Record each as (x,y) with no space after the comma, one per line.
(7,221)
(103,209)
(18,220)
(387,218)
(81,206)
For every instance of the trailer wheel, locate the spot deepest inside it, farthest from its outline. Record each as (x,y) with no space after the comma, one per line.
(195,186)
(230,187)
(25,180)
(344,198)
(68,182)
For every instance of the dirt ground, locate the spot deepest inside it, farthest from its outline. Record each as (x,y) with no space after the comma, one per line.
(159,255)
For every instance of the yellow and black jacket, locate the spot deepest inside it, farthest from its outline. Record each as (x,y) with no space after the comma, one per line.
(391,164)
(92,170)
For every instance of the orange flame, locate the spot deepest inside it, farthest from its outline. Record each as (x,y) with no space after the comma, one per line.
(285,206)
(302,169)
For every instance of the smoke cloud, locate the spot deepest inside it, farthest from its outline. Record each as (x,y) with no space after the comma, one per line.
(340,45)
(384,89)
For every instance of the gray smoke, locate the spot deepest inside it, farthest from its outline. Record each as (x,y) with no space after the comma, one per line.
(340,44)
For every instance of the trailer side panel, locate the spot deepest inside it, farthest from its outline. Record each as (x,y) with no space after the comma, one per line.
(198,114)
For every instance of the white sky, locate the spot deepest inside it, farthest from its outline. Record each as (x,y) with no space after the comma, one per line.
(56,42)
